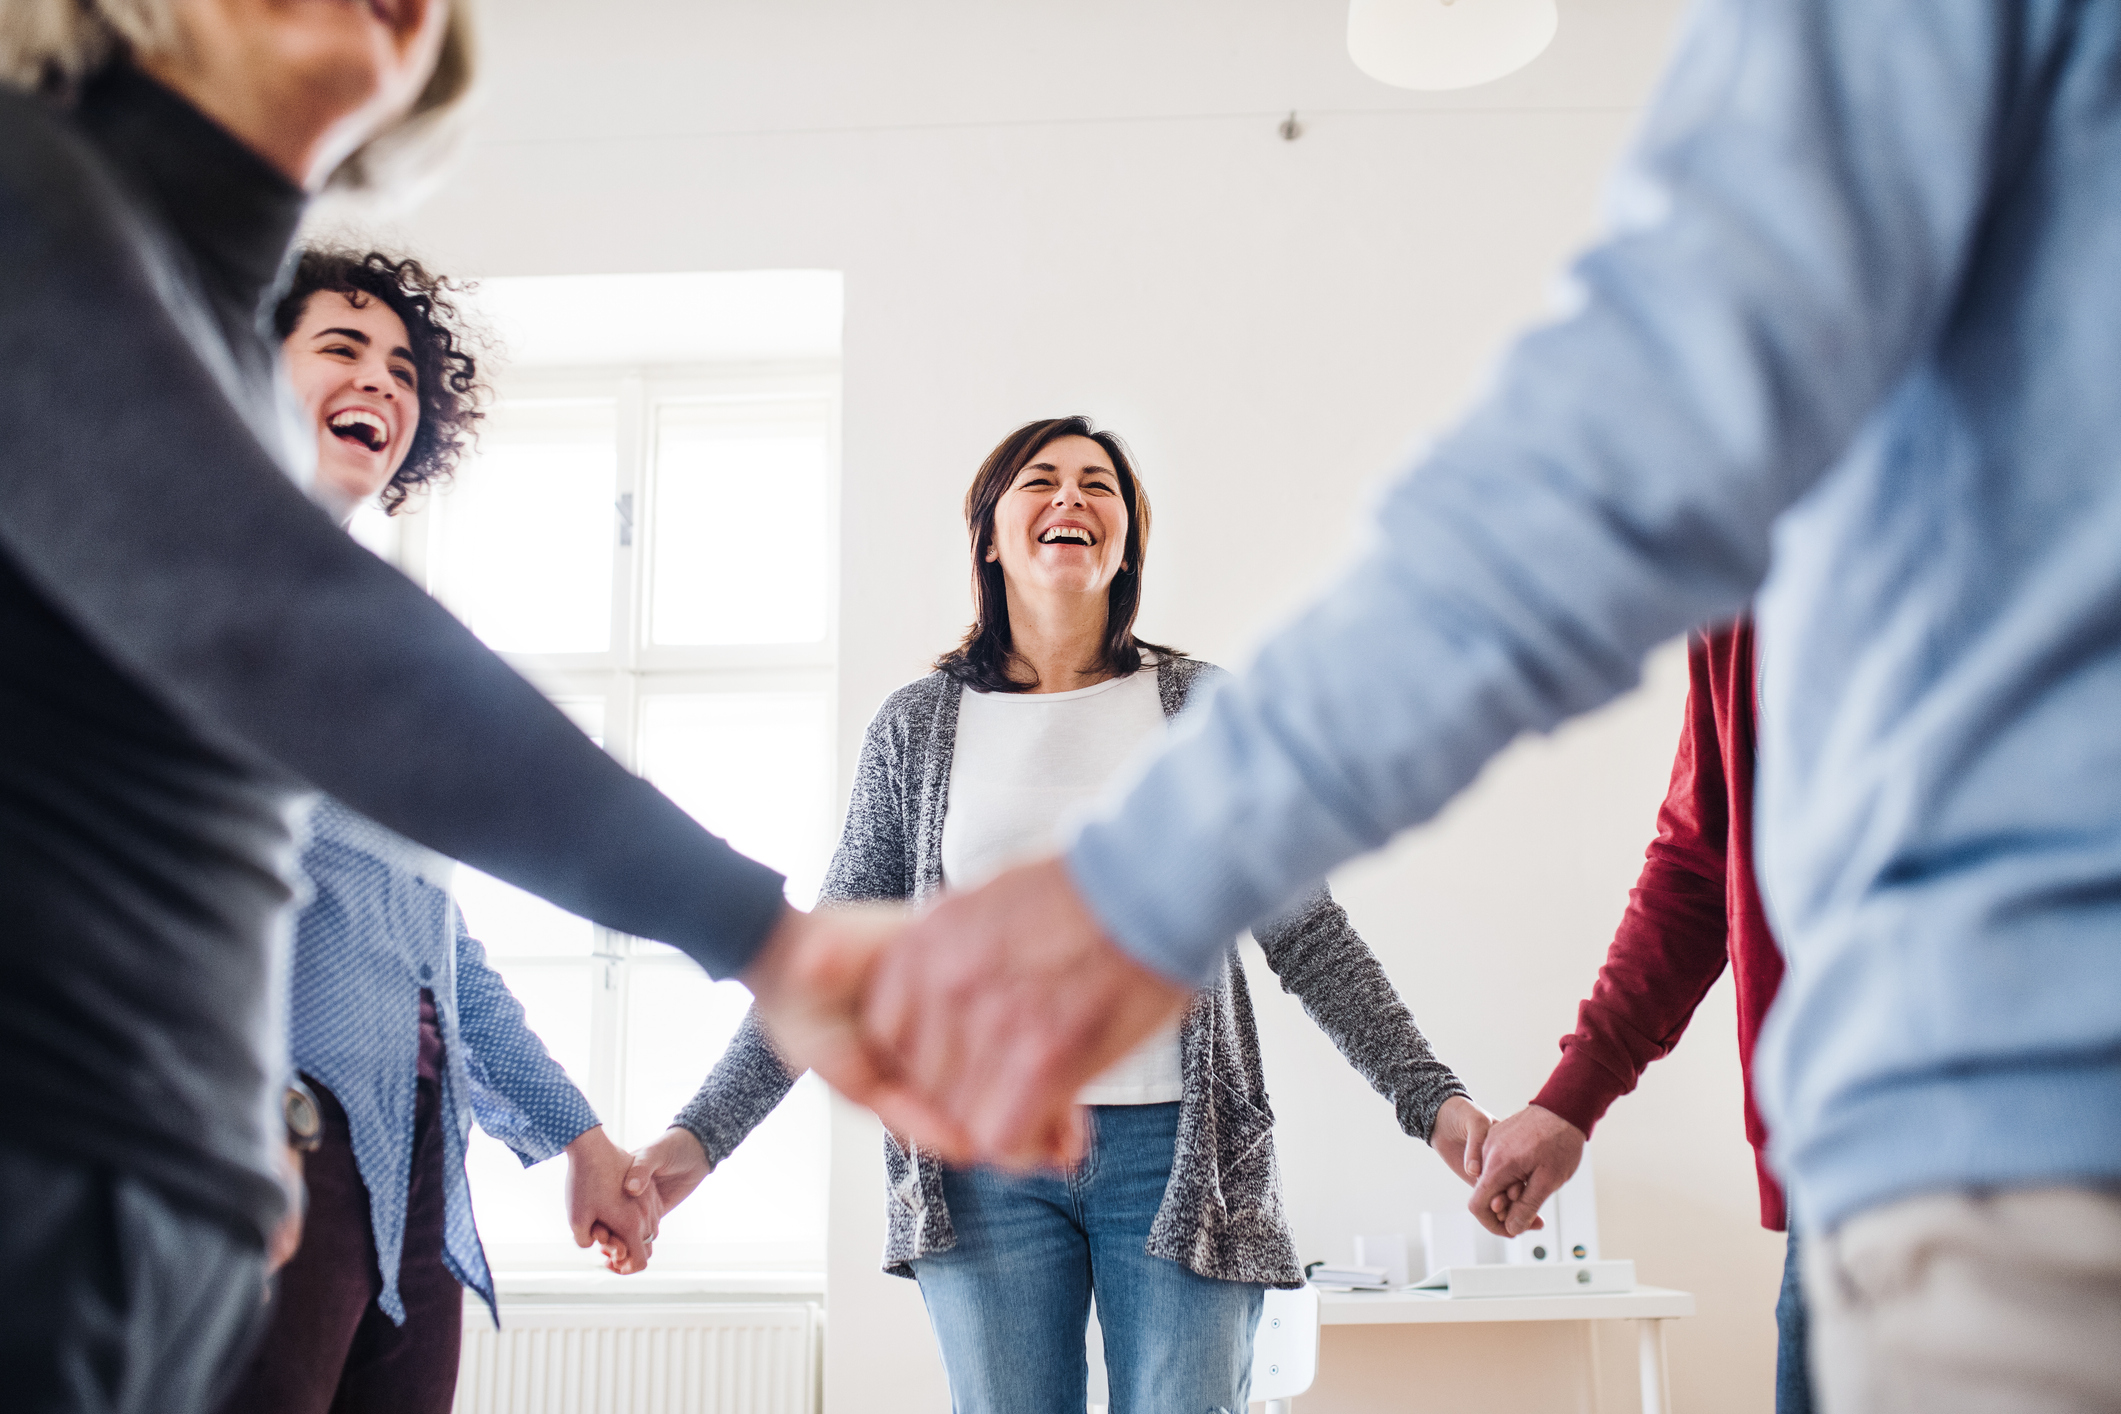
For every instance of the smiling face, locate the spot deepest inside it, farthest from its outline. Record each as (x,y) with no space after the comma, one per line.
(1061,527)
(352,368)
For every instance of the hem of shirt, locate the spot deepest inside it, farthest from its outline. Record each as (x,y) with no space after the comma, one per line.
(1093,1095)
(2028,1127)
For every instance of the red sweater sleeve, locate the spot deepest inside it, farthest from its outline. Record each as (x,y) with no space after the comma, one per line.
(1672,942)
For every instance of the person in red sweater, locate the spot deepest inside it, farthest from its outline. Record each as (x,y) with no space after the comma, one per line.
(1694,908)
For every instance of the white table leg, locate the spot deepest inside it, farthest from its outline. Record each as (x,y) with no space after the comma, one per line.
(1280,1406)
(1656,1386)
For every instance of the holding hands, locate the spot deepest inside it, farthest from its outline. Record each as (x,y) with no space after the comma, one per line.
(600,1210)
(1525,1159)
(1460,1135)
(997,1005)
(969,1027)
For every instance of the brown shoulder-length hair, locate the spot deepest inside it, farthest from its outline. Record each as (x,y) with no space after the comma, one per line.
(984,659)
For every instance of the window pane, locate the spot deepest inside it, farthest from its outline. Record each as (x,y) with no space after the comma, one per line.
(525,531)
(740,531)
(753,767)
(767,1204)
(511,923)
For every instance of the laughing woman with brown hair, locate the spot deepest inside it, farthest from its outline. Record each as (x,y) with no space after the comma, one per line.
(1173,1220)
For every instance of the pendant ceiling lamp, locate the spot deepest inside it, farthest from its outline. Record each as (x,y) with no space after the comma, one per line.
(1441,44)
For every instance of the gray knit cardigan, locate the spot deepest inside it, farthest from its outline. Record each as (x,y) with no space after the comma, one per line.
(1221,1216)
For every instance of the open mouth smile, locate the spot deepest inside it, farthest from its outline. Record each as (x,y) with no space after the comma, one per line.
(361,427)
(1067,535)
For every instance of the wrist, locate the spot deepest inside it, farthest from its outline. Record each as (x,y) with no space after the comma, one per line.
(774,967)
(1554,1118)
(1578,1094)
(698,1146)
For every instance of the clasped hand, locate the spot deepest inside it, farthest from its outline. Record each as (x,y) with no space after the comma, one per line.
(968,1027)
(600,1210)
(971,1026)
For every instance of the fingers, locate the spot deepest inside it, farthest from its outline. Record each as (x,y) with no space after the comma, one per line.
(1490,1198)
(1021,1115)
(916,1120)
(640,1175)
(1477,1126)
(850,1068)
(1523,1212)
(1490,1213)
(613,1249)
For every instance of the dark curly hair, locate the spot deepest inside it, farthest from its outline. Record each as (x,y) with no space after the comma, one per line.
(450,391)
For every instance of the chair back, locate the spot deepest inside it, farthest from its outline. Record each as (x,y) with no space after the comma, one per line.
(1285,1347)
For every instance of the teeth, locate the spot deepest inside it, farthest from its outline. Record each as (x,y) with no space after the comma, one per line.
(352,419)
(1065,532)
(352,416)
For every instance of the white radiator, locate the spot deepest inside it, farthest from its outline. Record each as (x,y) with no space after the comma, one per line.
(693,1358)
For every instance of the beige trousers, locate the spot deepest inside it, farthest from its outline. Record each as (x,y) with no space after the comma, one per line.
(2003,1303)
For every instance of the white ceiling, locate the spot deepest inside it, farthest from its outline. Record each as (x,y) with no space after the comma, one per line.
(561,71)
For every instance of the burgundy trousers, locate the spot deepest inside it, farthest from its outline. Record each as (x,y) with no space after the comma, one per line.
(329,1349)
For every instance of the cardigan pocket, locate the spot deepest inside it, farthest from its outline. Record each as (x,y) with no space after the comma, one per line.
(1243,1155)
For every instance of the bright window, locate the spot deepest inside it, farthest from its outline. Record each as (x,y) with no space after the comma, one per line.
(655,547)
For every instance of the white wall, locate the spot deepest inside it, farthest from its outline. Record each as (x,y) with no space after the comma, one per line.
(1086,207)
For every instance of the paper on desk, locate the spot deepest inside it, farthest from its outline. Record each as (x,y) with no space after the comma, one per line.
(1348,1278)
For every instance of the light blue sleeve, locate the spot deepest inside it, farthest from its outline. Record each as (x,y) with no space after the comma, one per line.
(519,1093)
(1783,245)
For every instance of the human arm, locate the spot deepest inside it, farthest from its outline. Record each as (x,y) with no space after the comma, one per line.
(871,865)
(745,1086)
(139,500)
(1671,946)
(1323,962)
(524,1098)
(520,1095)
(1788,237)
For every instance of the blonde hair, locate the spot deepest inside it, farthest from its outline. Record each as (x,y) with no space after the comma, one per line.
(50,45)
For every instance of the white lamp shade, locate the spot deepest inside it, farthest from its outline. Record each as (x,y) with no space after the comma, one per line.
(1441,44)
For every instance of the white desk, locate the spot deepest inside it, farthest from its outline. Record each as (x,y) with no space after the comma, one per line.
(1651,1305)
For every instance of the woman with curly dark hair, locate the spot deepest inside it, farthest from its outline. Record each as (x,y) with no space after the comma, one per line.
(377,350)
(400,1030)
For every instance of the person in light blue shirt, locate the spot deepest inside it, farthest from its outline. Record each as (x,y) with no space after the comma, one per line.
(1852,343)
(396,1019)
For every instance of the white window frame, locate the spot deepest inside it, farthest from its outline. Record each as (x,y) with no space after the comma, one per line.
(632,670)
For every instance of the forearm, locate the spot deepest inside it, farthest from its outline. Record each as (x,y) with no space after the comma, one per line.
(520,1094)
(1673,939)
(1325,964)
(142,505)
(1669,950)
(745,1086)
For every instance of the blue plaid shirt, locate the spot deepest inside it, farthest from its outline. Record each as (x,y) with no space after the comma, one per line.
(378,925)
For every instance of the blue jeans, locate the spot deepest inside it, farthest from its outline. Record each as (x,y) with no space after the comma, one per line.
(1793,1382)
(1011,1302)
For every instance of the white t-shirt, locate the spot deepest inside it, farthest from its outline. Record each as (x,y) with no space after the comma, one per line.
(1025,764)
